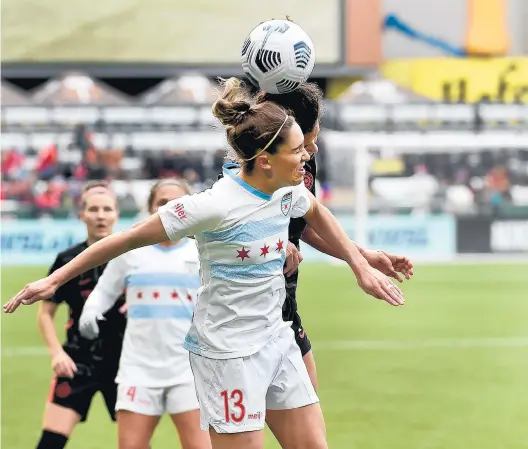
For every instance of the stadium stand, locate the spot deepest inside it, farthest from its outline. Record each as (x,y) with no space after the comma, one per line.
(75,128)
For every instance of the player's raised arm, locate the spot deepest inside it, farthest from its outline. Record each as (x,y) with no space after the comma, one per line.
(315,241)
(370,280)
(175,220)
(149,233)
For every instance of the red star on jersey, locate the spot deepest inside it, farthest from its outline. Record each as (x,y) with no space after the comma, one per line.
(174,295)
(243,253)
(285,207)
(140,295)
(280,244)
(265,250)
(189,296)
(156,295)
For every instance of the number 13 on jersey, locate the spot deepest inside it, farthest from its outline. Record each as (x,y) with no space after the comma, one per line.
(233,405)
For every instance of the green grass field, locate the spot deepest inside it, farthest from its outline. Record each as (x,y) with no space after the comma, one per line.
(447,371)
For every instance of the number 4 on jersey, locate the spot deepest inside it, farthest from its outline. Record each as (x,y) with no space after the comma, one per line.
(131,393)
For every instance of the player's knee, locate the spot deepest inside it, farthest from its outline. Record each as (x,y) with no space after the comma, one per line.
(60,420)
(133,443)
(317,440)
(199,442)
(133,440)
(318,443)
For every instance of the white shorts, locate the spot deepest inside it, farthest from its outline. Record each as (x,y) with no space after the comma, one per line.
(157,401)
(235,393)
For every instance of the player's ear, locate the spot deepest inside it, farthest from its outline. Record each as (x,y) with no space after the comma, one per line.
(264,161)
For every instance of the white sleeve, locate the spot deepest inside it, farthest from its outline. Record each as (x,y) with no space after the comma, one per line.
(109,287)
(301,201)
(191,214)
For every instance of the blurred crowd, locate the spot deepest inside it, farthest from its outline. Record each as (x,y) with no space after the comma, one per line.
(482,182)
(76,129)
(48,181)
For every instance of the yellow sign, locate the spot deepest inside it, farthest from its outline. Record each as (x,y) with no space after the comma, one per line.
(463,80)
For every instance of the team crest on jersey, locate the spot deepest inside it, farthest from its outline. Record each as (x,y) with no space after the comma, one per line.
(308,181)
(286,203)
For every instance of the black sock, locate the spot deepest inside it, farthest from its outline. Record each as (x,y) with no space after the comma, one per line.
(52,440)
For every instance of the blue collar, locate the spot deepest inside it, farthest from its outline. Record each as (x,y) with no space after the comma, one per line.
(228,170)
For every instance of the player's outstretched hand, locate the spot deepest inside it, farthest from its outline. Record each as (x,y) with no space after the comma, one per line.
(376,284)
(390,264)
(36,291)
(293,259)
(63,365)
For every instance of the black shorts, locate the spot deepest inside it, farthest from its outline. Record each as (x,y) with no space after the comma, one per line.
(300,335)
(77,394)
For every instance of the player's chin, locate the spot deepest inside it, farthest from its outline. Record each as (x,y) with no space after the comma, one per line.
(297,179)
(101,233)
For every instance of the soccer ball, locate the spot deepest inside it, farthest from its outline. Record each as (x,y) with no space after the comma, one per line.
(278,56)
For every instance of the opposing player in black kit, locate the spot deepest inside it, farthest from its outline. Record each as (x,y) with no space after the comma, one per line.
(306,104)
(82,367)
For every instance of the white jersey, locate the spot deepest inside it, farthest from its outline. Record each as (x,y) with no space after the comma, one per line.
(242,236)
(161,286)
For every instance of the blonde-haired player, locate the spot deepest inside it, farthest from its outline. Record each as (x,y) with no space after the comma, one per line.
(81,367)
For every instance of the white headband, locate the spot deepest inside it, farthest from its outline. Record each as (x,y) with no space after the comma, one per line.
(270,142)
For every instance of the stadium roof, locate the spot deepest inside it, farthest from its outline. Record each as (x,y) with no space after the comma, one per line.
(12,96)
(186,89)
(78,89)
